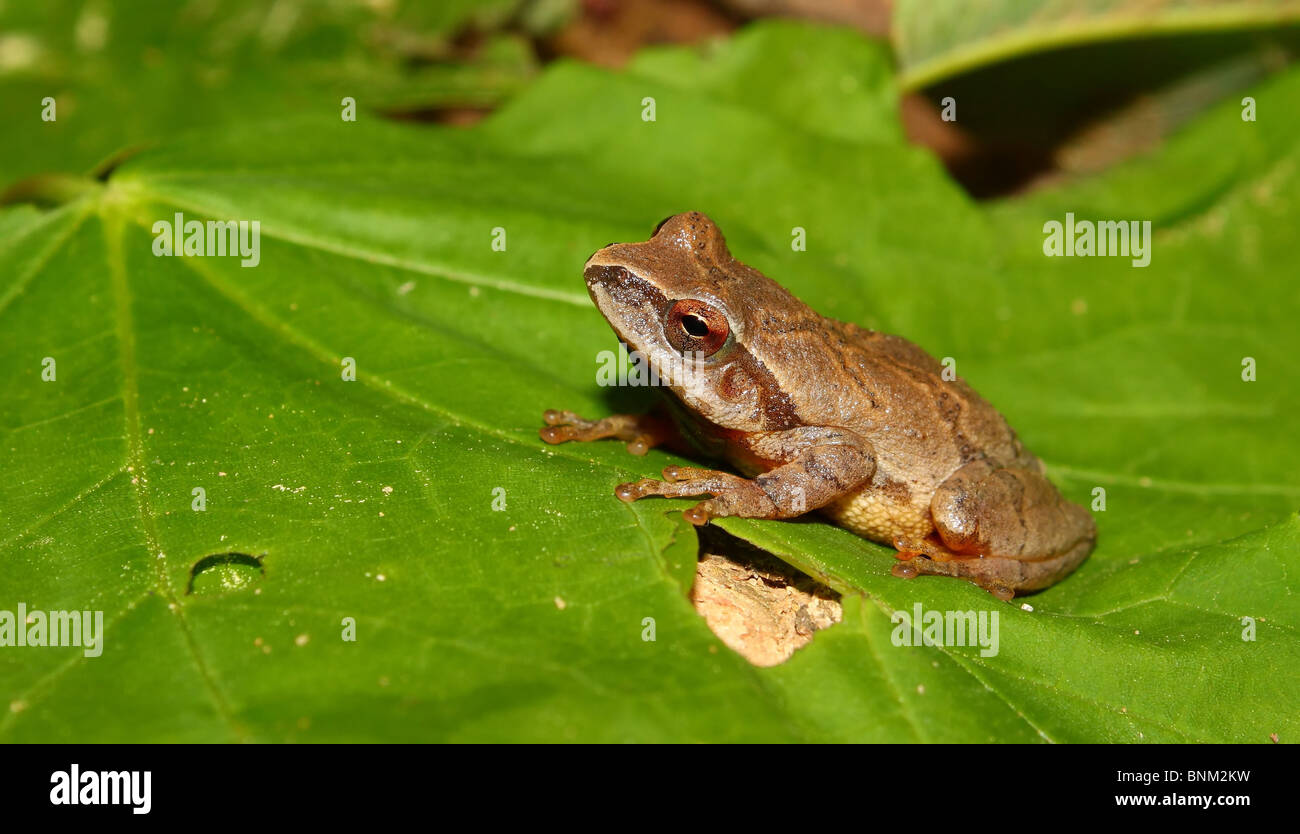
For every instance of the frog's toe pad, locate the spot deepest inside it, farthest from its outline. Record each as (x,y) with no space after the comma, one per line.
(904,570)
(634,490)
(698,515)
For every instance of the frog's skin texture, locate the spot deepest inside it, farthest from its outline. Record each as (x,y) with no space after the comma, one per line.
(821,415)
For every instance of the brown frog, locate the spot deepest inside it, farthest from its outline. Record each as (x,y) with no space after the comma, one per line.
(821,415)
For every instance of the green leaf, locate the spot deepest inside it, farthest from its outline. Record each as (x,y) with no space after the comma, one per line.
(936,40)
(374,499)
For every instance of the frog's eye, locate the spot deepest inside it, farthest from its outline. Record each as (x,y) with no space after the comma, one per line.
(694,326)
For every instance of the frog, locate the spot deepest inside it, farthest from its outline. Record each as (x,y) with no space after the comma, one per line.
(812,414)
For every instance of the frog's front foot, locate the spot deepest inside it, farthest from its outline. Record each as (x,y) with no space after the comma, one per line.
(814,478)
(732,494)
(641,432)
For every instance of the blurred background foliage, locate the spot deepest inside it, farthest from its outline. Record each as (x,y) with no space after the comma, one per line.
(1048,89)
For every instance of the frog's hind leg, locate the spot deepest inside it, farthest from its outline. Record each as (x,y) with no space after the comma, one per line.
(1007,529)
(1011,511)
(1000,576)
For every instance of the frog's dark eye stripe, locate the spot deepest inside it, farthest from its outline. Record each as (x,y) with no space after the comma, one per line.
(694,326)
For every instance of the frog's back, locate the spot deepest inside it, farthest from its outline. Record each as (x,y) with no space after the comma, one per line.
(922,428)
(910,403)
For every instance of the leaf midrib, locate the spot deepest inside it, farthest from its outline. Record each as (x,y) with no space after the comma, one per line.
(114,225)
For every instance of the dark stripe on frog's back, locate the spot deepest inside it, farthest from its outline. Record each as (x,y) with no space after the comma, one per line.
(976,428)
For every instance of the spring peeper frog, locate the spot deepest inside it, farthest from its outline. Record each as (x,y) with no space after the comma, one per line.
(821,415)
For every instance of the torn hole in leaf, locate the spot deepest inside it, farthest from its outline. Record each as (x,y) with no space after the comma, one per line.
(761,607)
(222,573)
